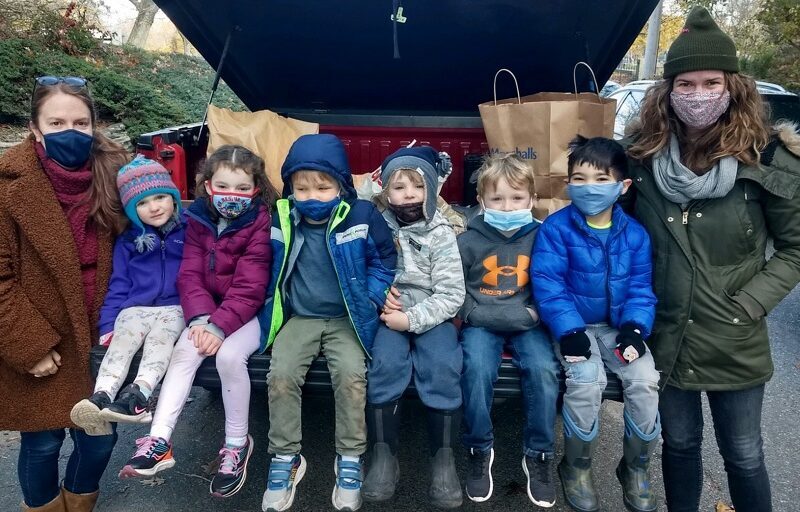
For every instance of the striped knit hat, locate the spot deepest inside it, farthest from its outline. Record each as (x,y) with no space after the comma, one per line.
(141,178)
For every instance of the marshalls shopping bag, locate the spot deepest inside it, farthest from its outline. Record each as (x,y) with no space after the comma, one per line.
(539,127)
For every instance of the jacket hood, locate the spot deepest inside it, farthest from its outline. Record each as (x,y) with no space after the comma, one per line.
(789,134)
(318,152)
(427,162)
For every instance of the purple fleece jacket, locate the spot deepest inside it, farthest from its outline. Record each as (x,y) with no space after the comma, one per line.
(225,275)
(142,278)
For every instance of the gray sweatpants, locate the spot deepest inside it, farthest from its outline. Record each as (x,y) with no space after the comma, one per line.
(586,381)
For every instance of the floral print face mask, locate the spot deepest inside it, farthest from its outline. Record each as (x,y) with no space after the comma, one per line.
(699,110)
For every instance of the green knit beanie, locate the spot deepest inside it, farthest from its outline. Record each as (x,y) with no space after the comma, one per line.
(701,45)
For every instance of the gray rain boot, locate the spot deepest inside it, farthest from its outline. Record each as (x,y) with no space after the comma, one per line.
(383,469)
(637,449)
(445,490)
(575,468)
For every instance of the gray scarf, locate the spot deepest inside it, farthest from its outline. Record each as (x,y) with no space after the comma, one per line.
(680,185)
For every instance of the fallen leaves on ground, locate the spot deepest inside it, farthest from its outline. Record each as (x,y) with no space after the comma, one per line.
(723,507)
(153,482)
(211,467)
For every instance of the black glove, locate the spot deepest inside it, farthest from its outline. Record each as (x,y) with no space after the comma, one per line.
(576,344)
(630,336)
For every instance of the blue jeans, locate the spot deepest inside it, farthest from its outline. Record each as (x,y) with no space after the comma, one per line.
(38,463)
(433,358)
(532,353)
(737,426)
(586,381)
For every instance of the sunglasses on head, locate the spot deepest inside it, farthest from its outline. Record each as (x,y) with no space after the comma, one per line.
(73,81)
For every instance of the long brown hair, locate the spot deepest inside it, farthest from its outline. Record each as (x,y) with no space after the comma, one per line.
(106,159)
(237,157)
(741,132)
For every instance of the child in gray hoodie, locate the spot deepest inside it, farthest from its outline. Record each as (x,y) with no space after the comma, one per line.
(417,337)
(498,314)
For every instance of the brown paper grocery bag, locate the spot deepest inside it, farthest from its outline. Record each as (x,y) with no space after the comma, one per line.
(264,132)
(539,127)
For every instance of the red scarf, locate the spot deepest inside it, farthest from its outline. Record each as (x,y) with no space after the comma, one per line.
(71,188)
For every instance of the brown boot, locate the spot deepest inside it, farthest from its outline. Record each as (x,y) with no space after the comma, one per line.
(79,502)
(57,505)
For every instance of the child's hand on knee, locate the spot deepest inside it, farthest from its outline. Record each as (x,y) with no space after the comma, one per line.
(574,346)
(396,320)
(195,332)
(630,345)
(209,343)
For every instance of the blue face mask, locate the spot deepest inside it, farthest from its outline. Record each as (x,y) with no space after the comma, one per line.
(506,221)
(595,198)
(69,148)
(316,210)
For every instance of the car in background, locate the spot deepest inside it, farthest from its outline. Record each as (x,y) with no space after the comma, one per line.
(609,87)
(781,104)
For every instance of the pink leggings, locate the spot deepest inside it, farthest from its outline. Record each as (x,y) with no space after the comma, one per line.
(232,367)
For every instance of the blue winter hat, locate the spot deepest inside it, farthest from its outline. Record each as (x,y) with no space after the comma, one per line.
(140,178)
(428,162)
(318,152)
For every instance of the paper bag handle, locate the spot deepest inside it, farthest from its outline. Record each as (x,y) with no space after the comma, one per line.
(516,85)
(575,79)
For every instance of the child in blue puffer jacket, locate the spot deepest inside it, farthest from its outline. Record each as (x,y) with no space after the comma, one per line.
(142,306)
(592,285)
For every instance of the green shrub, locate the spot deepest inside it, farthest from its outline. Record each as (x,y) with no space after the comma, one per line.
(146,91)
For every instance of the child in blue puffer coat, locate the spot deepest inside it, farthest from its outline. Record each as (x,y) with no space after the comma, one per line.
(142,306)
(592,285)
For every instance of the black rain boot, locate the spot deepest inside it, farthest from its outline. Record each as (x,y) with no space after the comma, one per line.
(637,449)
(443,426)
(575,468)
(383,468)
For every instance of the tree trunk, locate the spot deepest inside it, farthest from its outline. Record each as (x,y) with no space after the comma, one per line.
(144,21)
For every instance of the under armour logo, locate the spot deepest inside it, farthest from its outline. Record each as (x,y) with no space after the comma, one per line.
(521,270)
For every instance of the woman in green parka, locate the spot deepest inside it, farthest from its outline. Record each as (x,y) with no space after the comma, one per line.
(713,181)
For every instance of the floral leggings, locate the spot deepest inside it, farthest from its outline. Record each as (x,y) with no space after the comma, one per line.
(157,328)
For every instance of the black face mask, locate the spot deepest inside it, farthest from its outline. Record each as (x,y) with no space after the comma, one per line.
(408,213)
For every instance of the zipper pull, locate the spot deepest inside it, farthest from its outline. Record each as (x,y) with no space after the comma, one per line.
(685,217)
(212,260)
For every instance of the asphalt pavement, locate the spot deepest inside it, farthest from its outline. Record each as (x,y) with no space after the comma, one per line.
(200,432)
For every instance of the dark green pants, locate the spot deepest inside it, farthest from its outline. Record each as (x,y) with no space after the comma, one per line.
(293,351)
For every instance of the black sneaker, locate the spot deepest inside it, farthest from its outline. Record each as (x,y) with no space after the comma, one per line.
(479,478)
(153,454)
(86,414)
(232,471)
(541,485)
(130,407)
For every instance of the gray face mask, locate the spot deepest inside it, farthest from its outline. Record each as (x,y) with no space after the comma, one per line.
(699,110)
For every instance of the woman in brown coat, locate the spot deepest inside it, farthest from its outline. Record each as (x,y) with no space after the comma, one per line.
(59,212)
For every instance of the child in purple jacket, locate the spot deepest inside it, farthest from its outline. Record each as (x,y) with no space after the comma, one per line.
(222,283)
(142,305)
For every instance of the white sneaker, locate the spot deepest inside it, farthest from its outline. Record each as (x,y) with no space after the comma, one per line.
(347,491)
(282,483)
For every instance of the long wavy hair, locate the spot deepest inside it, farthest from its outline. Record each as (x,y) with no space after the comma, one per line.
(742,132)
(106,159)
